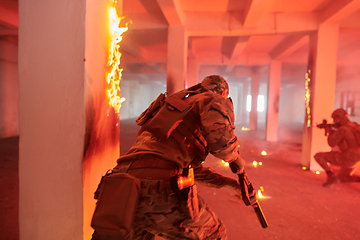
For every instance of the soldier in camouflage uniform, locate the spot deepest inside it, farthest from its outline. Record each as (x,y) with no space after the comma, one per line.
(176,136)
(344,137)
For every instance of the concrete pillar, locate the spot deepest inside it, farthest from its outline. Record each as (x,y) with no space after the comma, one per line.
(176,59)
(9,92)
(272,122)
(244,112)
(255,83)
(240,104)
(322,79)
(192,72)
(51,119)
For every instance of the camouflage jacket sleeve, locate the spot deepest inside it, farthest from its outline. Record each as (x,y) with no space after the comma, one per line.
(335,137)
(218,130)
(209,178)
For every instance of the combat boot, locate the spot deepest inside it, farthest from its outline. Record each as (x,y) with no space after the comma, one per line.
(331,179)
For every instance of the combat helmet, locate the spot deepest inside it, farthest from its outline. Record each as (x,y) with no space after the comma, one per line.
(217,84)
(340,113)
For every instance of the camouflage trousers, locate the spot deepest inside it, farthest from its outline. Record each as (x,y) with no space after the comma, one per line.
(159,213)
(348,162)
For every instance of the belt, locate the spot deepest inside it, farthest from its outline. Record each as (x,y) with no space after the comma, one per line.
(157,163)
(154,163)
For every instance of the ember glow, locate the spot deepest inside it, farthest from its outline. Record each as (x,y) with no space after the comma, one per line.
(264,153)
(226,164)
(260,194)
(245,129)
(255,163)
(114,74)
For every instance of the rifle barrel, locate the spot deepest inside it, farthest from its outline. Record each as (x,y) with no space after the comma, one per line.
(260,215)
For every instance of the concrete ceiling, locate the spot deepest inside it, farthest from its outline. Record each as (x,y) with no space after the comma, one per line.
(235,38)
(232,38)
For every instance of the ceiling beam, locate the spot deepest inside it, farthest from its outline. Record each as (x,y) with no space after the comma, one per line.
(338,10)
(253,12)
(229,68)
(172,12)
(144,21)
(228,44)
(237,51)
(288,45)
(132,49)
(226,24)
(240,46)
(214,58)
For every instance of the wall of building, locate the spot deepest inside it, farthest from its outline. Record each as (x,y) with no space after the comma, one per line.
(9,92)
(292,102)
(347,96)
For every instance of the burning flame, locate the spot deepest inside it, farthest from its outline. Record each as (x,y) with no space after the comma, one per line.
(264,153)
(307,98)
(114,74)
(245,129)
(103,132)
(260,195)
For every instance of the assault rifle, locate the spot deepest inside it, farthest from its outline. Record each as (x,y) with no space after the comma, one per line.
(248,195)
(325,125)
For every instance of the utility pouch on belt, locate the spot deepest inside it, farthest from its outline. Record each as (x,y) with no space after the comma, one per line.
(184,186)
(118,195)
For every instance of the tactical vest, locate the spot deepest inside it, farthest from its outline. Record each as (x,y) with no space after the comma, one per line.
(172,117)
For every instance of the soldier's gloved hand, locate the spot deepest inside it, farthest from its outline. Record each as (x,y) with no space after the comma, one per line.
(252,197)
(238,189)
(328,130)
(237,165)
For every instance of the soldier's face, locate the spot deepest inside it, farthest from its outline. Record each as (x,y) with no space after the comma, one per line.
(337,120)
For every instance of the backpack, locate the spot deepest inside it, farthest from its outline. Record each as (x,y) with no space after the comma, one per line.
(151,111)
(355,128)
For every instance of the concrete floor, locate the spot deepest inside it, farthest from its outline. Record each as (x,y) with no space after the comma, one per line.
(296,205)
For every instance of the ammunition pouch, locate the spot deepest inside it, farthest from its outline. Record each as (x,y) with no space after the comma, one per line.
(169,117)
(184,186)
(117,199)
(177,118)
